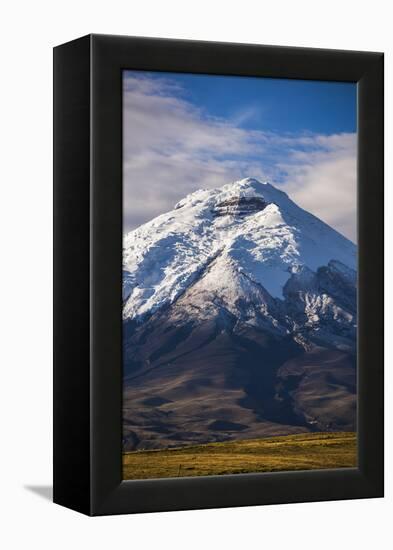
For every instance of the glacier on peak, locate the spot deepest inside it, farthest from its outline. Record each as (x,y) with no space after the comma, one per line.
(248,224)
(242,189)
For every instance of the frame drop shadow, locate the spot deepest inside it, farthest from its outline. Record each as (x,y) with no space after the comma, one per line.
(44,491)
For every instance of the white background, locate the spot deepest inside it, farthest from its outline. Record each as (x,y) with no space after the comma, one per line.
(29,30)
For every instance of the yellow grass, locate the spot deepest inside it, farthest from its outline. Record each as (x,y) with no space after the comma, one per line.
(293,452)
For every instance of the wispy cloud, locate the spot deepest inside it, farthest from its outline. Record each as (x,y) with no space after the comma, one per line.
(172,148)
(323,180)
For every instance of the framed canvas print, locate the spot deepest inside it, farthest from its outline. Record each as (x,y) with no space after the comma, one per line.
(218,275)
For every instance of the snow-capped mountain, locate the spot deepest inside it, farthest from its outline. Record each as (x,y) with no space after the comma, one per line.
(245,243)
(226,299)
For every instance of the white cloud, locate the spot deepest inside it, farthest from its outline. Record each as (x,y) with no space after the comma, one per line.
(171,148)
(323,181)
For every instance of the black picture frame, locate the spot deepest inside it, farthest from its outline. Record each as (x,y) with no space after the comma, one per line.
(87,274)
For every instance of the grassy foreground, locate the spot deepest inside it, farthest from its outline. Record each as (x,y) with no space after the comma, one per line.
(292,452)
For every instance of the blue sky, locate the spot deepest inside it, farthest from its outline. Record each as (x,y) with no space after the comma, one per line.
(271,104)
(183,132)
